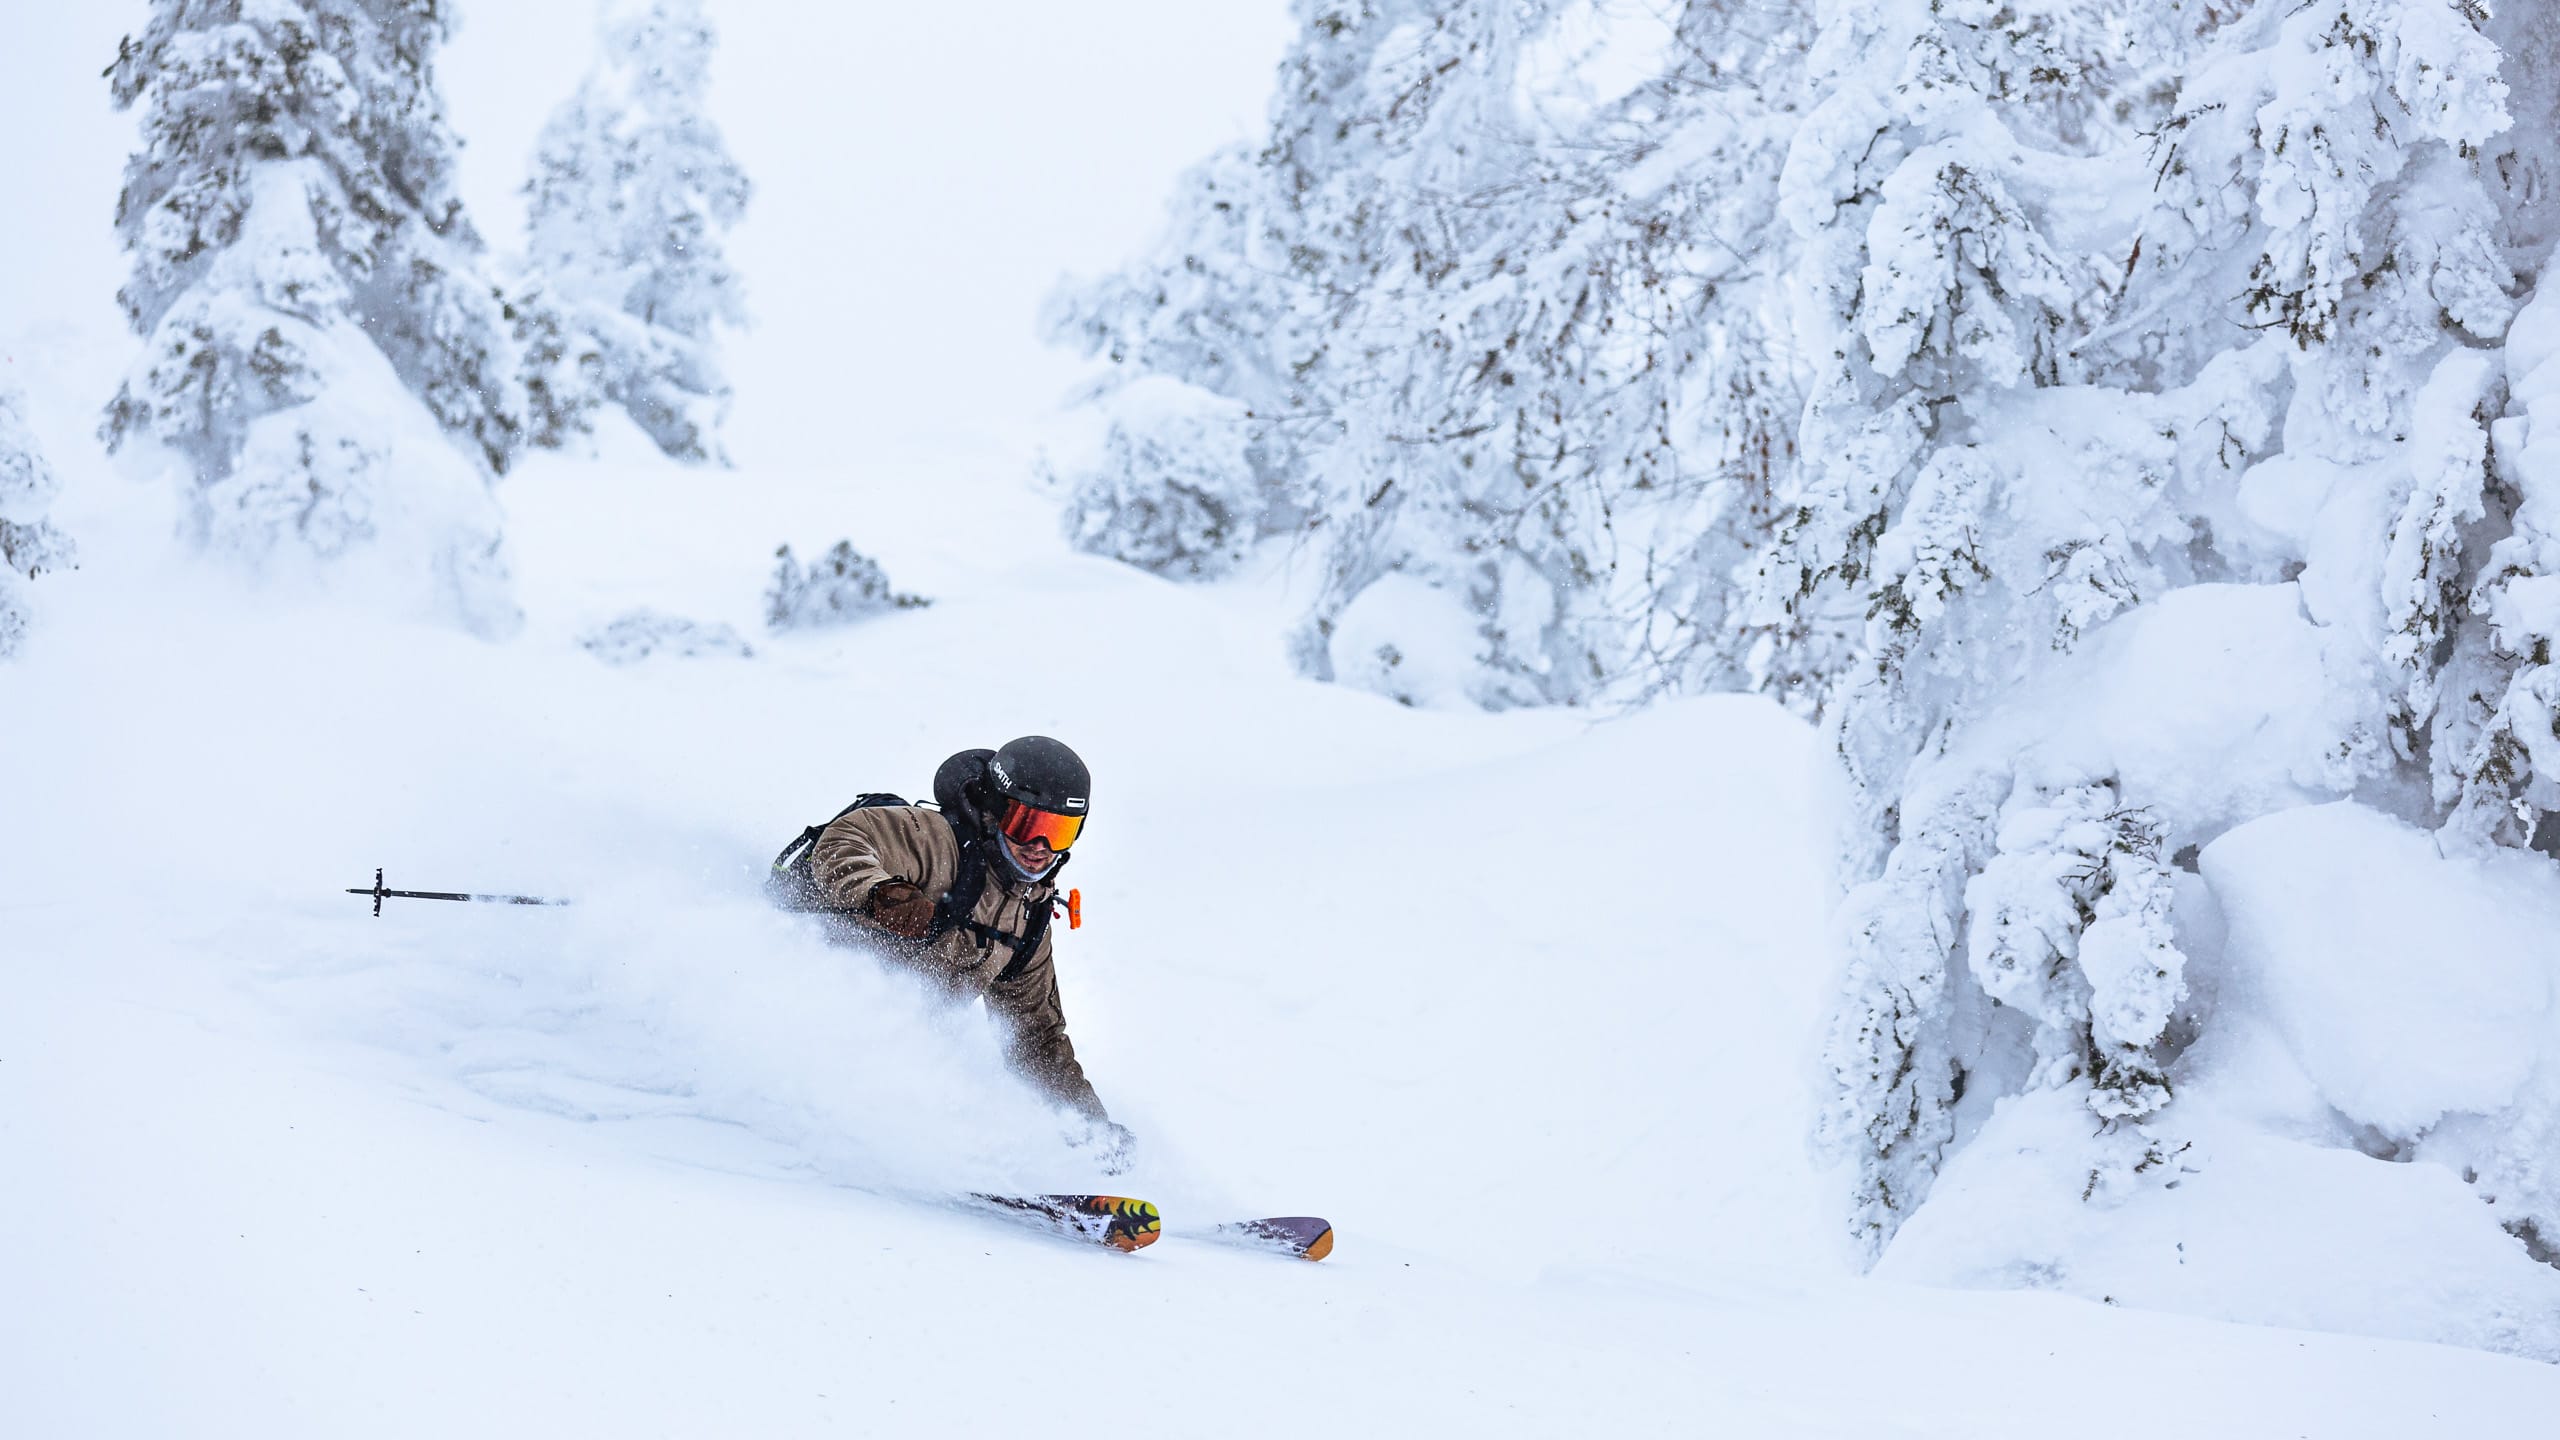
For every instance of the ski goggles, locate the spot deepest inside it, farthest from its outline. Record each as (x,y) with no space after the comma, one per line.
(1022,824)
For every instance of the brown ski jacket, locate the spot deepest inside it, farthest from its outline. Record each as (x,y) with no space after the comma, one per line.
(863,849)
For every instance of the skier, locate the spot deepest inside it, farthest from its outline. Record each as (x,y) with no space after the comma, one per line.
(965,895)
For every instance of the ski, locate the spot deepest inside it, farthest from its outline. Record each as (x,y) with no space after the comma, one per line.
(1114,1220)
(1307,1237)
(1127,1225)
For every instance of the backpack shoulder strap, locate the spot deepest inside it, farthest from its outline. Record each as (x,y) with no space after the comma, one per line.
(1034,929)
(953,907)
(958,908)
(1029,944)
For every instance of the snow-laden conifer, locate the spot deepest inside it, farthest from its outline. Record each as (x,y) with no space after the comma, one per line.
(1935,366)
(1202,397)
(305,281)
(30,544)
(632,195)
(2070,926)
(2496,730)
(838,588)
(1176,490)
(2081,448)
(1474,346)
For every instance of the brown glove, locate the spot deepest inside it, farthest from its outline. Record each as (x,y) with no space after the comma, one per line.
(900,909)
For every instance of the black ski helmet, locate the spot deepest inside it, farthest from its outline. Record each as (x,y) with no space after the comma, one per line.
(1042,773)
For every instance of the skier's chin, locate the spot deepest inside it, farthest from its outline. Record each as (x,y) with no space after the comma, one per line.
(1024,871)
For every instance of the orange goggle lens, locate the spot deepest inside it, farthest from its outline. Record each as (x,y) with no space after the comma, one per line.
(1024,824)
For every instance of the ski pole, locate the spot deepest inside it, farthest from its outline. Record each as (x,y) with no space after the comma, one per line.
(380,894)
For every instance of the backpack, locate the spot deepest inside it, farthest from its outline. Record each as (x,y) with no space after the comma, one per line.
(790,883)
(793,885)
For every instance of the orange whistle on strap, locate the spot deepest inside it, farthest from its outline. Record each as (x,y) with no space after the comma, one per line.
(1075,909)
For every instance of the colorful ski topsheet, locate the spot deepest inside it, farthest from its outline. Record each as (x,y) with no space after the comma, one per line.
(1128,1225)
(1305,1236)
(1114,1220)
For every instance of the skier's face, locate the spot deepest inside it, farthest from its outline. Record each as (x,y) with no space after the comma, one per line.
(1034,858)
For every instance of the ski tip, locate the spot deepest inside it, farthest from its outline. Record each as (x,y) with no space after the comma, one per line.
(1309,1237)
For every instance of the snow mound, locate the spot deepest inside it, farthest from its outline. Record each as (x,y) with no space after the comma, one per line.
(635,637)
(2211,704)
(2229,1222)
(2407,985)
(1408,640)
(2364,1136)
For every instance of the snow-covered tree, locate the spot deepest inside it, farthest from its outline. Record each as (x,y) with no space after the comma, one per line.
(30,544)
(1176,490)
(2495,729)
(2071,448)
(2495,720)
(1475,345)
(316,323)
(2496,735)
(840,587)
(1198,464)
(632,195)
(2110,417)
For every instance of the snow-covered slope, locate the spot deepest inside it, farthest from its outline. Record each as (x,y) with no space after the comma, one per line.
(1521,1002)
(1525,1003)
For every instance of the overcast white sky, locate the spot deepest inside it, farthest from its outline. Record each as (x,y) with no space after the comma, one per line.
(924,173)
